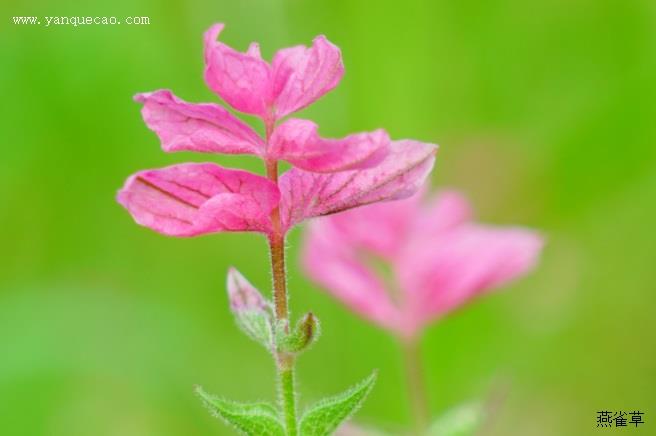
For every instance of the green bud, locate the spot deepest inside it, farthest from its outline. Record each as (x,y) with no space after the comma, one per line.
(301,337)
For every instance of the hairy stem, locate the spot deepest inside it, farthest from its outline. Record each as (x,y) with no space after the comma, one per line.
(277,250)
(415,383)
(288,400)
(285,362)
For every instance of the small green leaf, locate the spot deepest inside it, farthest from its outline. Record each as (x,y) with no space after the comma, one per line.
(253,313)
(325,416)
(305,333)
(463,420)
(252,419)
(256,326)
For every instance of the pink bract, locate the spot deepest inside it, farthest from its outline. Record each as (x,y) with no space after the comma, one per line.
(296,77)
(202,127)
(209,128)
(243,296)
(401,174)
(437,259)
(298,142)
(327,175)
(192,199)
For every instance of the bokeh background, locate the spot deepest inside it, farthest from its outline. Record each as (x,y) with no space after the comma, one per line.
(545,112)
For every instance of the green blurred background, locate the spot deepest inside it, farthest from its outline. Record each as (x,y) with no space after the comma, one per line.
(545,112)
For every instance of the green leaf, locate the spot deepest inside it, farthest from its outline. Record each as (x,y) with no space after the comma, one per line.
(252,419)
(463,420)
(257,326)
(253,313)
(305,333)
(325,416)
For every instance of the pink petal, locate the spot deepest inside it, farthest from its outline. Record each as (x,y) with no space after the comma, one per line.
(443,212)
(448,271)
(241,79)
(204,127)
(381,228)
(302,75)
(297,142)
(332,263)
(306,195)
(254,50)
(196,198)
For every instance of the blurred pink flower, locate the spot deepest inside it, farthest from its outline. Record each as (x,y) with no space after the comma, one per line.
(328,175)
(407,263)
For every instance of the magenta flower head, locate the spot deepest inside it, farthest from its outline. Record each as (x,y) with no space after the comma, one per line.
(328,175)
(407,263)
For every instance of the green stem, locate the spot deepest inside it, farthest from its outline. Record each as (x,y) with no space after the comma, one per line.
(285,362)
(416,386)
(288,400)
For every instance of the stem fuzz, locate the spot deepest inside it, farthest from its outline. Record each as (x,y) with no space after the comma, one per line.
(285,362)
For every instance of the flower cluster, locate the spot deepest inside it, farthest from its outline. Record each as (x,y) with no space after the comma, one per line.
(400,265)
(327,175)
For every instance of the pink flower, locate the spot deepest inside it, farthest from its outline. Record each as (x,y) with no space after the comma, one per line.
(328,175)
(407,263)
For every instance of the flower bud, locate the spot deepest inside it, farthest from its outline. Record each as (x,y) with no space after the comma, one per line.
(301,337)
(253,313)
